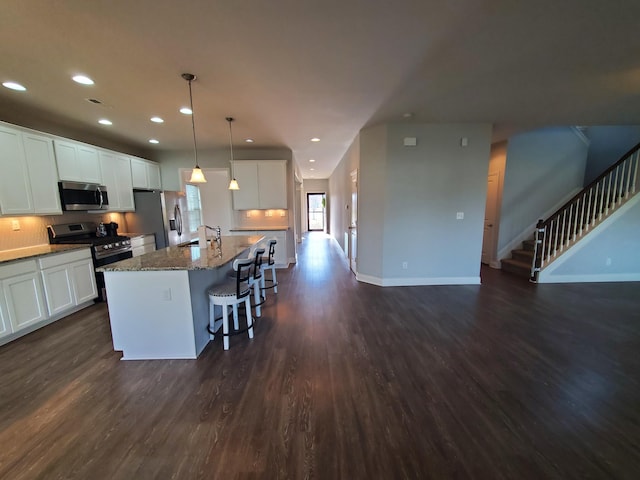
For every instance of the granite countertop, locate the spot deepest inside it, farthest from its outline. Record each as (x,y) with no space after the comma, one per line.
(188,257)
(258,229)
(38,251)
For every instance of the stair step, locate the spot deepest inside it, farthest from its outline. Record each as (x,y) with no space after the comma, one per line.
(517,267)
(525,256)
(529,245)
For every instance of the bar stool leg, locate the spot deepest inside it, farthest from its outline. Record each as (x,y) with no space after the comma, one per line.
(247,304)
(225,327)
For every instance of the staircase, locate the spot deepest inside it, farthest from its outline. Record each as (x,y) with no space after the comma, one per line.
(576,218)
(521,260)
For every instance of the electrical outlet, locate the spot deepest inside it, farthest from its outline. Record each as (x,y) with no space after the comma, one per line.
(166,295)
(15,225)
(405,265)
(608,262)
(248,214)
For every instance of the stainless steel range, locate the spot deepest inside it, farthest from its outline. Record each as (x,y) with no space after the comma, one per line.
(105,249)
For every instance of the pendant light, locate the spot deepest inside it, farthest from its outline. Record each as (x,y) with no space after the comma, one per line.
(196,174)
(233,184)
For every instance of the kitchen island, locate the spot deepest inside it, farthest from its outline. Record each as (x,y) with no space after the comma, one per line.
(158,303)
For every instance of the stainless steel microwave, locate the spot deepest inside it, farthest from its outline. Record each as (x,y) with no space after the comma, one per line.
(83,196)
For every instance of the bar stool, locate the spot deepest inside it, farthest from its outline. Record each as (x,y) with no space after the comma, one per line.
(255,280)
(270,264)
(232,293)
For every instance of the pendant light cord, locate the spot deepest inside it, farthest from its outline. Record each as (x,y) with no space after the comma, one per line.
(193,125)
(230,119)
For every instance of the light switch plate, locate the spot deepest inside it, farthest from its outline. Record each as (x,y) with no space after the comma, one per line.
(460,216)
(15,225)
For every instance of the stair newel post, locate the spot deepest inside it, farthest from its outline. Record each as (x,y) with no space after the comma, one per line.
(538,250)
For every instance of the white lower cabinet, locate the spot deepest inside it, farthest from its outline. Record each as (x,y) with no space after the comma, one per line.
(142,244)
(22,297)
(281,259)
(69,280)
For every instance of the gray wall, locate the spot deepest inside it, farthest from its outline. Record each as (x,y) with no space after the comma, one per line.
(542,168)
(608,144)
(409,197)
(340,193)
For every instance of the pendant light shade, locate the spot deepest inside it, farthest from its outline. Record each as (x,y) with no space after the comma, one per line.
(233,184)
(196,174)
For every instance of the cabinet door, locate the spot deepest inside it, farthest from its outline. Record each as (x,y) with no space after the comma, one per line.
(15,191)
(58,289)
(124,183)
(247,198)
(25,301)
(84,281)
(67,161)
(153,176)
(43,174)
(89,164)
(139,173)
(272,184)
(5,326)
(116,176)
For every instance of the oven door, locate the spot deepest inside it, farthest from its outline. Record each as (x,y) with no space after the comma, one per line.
(102,294)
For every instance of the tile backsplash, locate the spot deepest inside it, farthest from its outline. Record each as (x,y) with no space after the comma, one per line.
(33,229)
(261,218)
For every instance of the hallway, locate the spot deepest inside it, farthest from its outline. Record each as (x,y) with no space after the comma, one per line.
(343,380)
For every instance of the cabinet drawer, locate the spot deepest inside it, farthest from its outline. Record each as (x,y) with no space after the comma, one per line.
(64,258)
(17,268)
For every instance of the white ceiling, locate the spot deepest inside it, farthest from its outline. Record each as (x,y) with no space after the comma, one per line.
(289,70)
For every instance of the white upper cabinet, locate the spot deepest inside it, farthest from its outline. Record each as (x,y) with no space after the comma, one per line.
(15,191)
(77,162)
(43,174)
(28,183)
(263,184)
(145,174)
(116,176)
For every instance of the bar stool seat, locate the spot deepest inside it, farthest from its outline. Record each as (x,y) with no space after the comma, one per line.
(230,294)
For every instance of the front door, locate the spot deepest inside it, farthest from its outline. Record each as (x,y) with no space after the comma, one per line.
(315,211)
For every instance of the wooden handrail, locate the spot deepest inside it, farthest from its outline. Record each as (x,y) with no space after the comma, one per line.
(593,183)
(571,221)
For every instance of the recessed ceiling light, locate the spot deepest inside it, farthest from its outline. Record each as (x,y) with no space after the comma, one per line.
(157,120)
(82,79)
(315,139)
(407,115)
(104,121)
(154,141)
(312,160)
(14,86)
(249,140)
(186,111)
(312,169)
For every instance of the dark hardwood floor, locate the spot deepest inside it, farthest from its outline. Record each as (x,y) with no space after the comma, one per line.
(344,381)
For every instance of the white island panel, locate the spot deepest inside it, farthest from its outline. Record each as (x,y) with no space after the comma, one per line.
(156,322)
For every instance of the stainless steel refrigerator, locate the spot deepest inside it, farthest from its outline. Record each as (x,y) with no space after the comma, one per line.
(163,213)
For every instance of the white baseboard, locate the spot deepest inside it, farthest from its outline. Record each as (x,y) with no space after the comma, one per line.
(413,282)
(598,278)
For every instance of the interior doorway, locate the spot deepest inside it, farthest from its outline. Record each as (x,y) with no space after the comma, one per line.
(316,207)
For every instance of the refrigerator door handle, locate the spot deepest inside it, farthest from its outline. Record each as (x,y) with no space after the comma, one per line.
(178,216)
